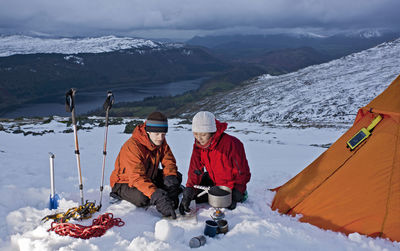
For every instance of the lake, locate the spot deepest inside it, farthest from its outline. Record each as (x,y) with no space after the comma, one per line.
(88,101)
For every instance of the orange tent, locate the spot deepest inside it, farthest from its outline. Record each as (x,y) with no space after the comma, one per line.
(353,191)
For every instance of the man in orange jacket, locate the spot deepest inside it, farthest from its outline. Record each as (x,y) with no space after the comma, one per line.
(137,177)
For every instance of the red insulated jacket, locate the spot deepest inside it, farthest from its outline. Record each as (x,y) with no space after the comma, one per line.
(137,162)
(224,159)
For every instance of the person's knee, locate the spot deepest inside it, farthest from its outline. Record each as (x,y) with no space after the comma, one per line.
(134,196)
(139,199)
(142,202)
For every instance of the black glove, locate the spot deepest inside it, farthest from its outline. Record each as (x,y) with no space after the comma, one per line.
(171,180)
(163,203)
(173,187)
(173,194)
(188,195)
(236,197)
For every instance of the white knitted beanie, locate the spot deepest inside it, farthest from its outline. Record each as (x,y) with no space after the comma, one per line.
(204,122)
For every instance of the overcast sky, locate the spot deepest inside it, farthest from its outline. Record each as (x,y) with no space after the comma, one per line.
(186,18)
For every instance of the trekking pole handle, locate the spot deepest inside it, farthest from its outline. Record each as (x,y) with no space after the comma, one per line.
(70,100)
(109,101)
(70,103)
(108,104)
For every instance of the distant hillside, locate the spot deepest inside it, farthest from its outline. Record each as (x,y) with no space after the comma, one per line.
(287,60)
(172,106)
(325,94)
(243,47)
(296,98)
(28,77)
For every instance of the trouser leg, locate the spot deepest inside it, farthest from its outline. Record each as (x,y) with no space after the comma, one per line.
(131,194)
(136,197)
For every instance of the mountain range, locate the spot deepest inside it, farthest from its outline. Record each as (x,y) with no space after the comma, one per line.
(328,94)
(40,70)
(246,47)
(34,70)
(20,44)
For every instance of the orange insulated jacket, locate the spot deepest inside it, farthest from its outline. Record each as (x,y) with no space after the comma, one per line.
(138,160)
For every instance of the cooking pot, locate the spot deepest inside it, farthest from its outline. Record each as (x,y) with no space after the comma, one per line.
(218,196)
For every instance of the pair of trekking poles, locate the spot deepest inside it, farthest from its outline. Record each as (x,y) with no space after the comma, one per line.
(70,107)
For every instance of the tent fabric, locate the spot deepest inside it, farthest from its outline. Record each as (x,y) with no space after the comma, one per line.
(353,191)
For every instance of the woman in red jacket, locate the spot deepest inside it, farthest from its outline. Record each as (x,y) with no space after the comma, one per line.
(223,158)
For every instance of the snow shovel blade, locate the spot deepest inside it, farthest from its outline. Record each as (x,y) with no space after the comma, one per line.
(53,203)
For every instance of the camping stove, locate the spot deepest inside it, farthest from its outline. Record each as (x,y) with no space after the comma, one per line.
(218,197)
(218,214)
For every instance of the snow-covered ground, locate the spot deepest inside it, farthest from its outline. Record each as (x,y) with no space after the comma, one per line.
(19,44)
(274,154)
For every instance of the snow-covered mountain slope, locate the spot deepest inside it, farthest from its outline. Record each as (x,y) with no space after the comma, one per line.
(18,44)
(326,94)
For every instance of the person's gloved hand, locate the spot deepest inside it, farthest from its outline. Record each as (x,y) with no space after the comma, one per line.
(173,194)
(172,185)
(171,180)
(188,195)
(163,203)
(236,197)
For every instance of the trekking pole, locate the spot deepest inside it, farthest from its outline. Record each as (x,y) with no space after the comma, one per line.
(107,106)
(70,107)
(53,203)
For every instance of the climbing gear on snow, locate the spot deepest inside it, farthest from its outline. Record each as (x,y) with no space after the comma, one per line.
(70,107)
(107,106)
(98,228)
(77,213)
(53,203)
(364,133)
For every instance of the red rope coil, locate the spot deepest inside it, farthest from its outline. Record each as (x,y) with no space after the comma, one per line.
(98,228)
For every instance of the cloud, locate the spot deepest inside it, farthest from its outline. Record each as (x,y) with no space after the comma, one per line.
(87,17)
